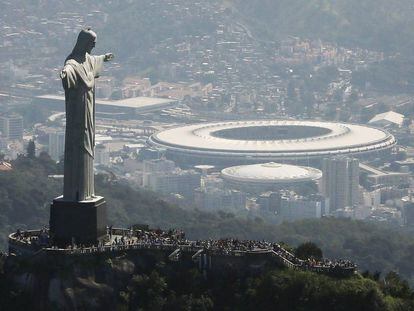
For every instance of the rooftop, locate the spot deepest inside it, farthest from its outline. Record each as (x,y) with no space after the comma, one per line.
(377,172)
(144,103)
(389,116)
(272,173)
(274,138)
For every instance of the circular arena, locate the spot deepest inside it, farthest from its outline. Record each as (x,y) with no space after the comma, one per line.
(259,141)
(269,176)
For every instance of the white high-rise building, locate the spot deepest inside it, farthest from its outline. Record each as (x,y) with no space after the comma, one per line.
(102,155)
(155,167)
(12,126)
(176,182)
(158,165)
(340,182)
(296,208)
(57,145)
(212,198)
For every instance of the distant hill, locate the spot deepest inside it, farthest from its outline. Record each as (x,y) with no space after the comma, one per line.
(374,24)
(138,25)
(146,36)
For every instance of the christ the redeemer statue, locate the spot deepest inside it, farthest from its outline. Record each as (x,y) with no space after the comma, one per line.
(78,79)
(79,216)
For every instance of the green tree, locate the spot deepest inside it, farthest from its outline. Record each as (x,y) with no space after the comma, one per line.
(394,286)
(308,250)
(31,149)
(147,292)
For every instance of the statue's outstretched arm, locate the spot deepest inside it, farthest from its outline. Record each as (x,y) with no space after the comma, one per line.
(97,62)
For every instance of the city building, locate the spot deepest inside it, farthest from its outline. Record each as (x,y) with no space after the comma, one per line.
(388,119)
(406,165)
(117,109)
(102,155)
(179,181)
(294,207)
(290,206)
(150,154)
(212,198)
(379,178)
(56,145)
(387,214)
(372,198)
(392,194)
(154,167)
(269,201)
(158,165)
(341,182)
(345,212)
(12,126)
(408,210)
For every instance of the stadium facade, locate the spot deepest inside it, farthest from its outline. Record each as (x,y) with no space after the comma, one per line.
(247,142)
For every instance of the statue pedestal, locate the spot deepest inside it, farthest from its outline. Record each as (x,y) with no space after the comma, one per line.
(83,223)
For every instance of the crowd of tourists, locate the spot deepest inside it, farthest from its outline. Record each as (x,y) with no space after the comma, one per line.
(329,264)
(124,239)
(38,239)
(230,246)
(312,263)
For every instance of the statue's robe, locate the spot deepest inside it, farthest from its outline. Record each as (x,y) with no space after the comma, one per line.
(78,79)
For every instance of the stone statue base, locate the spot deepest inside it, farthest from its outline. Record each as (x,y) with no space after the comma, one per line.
(82,223)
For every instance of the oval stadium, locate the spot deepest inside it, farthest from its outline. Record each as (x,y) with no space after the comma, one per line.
(246,142)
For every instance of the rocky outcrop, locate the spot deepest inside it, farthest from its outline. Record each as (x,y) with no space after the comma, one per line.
(78,282)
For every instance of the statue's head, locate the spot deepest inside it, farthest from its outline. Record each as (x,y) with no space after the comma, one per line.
(85,43)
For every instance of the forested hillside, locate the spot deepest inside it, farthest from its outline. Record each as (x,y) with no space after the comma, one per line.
(26,193)
(168,286)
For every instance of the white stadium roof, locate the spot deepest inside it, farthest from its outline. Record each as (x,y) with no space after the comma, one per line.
(388,117)
(282,139)
(271,173)
(140,103)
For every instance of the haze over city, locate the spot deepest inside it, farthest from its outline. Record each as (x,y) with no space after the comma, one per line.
(245,147)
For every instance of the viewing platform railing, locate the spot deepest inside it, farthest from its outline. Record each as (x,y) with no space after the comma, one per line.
(35,241)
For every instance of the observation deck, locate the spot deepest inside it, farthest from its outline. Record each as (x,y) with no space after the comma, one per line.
(175,246)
